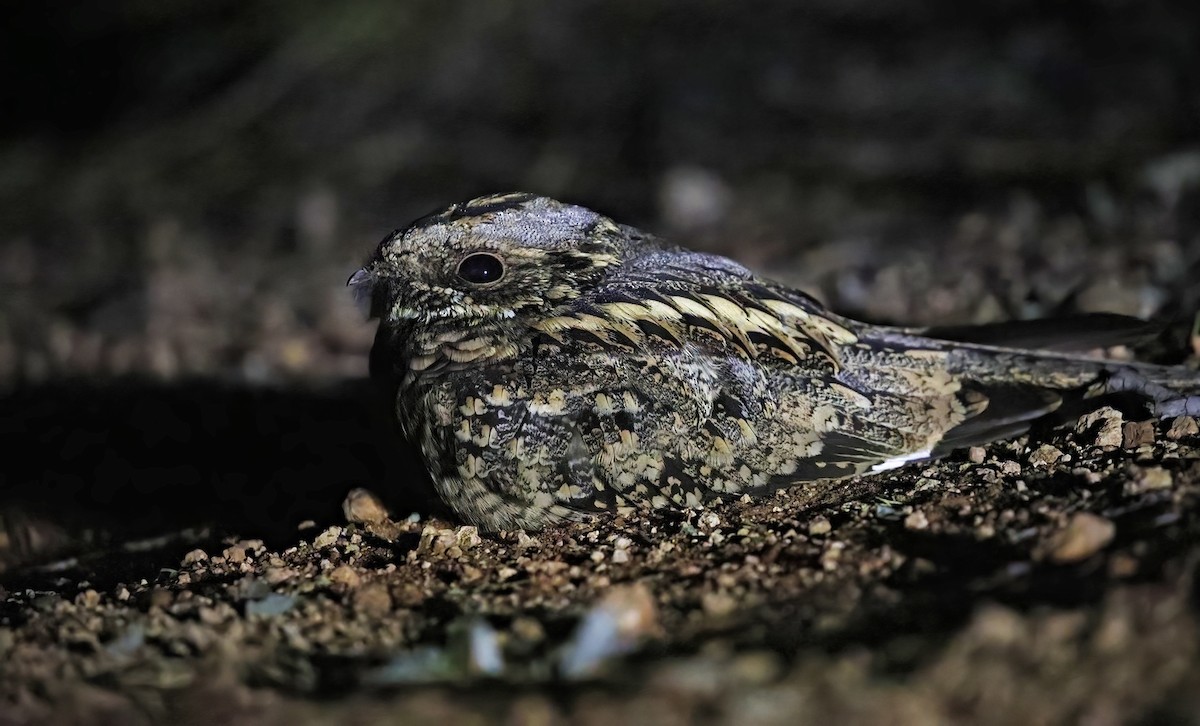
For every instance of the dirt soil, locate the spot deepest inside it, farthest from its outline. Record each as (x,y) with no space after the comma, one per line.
(205,516)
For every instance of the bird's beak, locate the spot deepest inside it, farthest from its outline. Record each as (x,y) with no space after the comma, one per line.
(362,286)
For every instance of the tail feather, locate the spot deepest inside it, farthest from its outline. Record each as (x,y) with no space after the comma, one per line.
(1002,391)
(1071,333)
(1023,386)
(1039,352)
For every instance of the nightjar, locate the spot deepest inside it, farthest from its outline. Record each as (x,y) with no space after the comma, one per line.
(550,364)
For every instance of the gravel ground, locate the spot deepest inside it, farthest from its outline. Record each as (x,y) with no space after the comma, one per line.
(205,518)
(1045,580)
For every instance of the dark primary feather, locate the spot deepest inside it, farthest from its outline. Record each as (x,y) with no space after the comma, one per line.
(1071,333)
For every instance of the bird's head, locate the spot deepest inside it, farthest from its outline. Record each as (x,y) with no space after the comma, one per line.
(495,261)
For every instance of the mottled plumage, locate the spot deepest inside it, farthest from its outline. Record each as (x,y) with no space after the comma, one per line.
(551,364)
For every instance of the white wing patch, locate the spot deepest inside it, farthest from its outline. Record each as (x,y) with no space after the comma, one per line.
(899,461)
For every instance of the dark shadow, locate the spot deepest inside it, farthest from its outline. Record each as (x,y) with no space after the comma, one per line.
(90,464)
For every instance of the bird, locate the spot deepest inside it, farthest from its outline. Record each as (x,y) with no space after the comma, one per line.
(549,364)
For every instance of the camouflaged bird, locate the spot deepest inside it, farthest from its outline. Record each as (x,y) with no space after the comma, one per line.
(551,364)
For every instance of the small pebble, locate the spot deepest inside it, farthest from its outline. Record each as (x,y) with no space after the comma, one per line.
(1137,433)
(1182,427)
(273,605)
(1085,535)
(626,615)
(996,625)
(1122,565)
(328,538)
(832,556)
(718,604)
(528,629)
(437,541)
(467,537)
(756,667)
(212,615)
(916,520)
(819,526)
(1045,456)
(1154,477)
(976,454)
(483,646)
(373,600)
(345,575)
(361,506)
(276,575)
(194,557)
(161,597)
(1107,424)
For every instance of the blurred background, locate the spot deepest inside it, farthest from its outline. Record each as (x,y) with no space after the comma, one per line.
(186,186)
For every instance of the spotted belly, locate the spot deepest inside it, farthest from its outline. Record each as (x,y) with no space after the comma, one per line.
(517,451)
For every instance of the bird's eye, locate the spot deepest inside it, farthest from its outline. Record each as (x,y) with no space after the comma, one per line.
(480,268)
